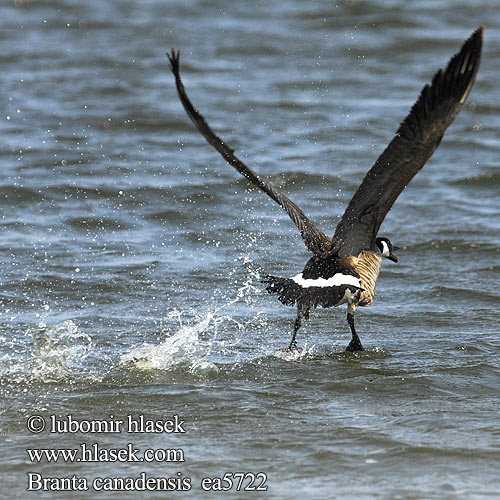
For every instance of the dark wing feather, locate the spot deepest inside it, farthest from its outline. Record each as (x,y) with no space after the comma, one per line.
(315,240)
(415,141)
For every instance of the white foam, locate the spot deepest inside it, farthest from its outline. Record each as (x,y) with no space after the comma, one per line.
(336,280)
(184,348)
(60,351)
(294,354)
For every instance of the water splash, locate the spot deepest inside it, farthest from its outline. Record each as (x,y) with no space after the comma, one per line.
(185,348)
(59,351)
(193,343)
(296,354)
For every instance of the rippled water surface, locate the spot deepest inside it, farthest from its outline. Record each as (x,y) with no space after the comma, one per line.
(131,254)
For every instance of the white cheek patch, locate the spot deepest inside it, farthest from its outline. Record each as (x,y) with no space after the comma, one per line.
(336,280)
(385,249)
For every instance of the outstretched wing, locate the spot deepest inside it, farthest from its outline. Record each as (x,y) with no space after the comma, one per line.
(315,240)
(415,141)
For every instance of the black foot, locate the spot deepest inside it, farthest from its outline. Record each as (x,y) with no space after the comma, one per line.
(291,349)
(354,345)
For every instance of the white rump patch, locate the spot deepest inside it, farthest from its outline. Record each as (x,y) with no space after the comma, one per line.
(336,280)
(349,297)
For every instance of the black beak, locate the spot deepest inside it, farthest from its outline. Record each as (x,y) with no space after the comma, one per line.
(393,257)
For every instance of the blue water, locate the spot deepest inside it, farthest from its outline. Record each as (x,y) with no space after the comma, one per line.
(131,253)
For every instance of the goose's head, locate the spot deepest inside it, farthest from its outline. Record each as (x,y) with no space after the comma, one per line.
(386,248)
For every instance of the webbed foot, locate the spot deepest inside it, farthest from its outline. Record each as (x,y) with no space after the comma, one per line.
(354,345)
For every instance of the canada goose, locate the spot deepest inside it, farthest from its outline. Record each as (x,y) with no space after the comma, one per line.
(344,268)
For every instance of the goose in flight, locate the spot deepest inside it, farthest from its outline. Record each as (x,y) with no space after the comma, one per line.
(344,268)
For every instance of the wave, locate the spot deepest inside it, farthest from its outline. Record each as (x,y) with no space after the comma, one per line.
(489,180)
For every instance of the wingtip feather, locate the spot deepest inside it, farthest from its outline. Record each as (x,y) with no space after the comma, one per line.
(454,82)
(174,58)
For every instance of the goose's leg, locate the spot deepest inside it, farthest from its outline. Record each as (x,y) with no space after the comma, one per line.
(355,343)
(301,312)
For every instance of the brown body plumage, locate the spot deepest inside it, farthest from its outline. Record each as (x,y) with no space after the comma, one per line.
(367,265)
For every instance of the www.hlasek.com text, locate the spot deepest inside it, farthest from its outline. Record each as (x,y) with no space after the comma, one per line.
(96,453)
